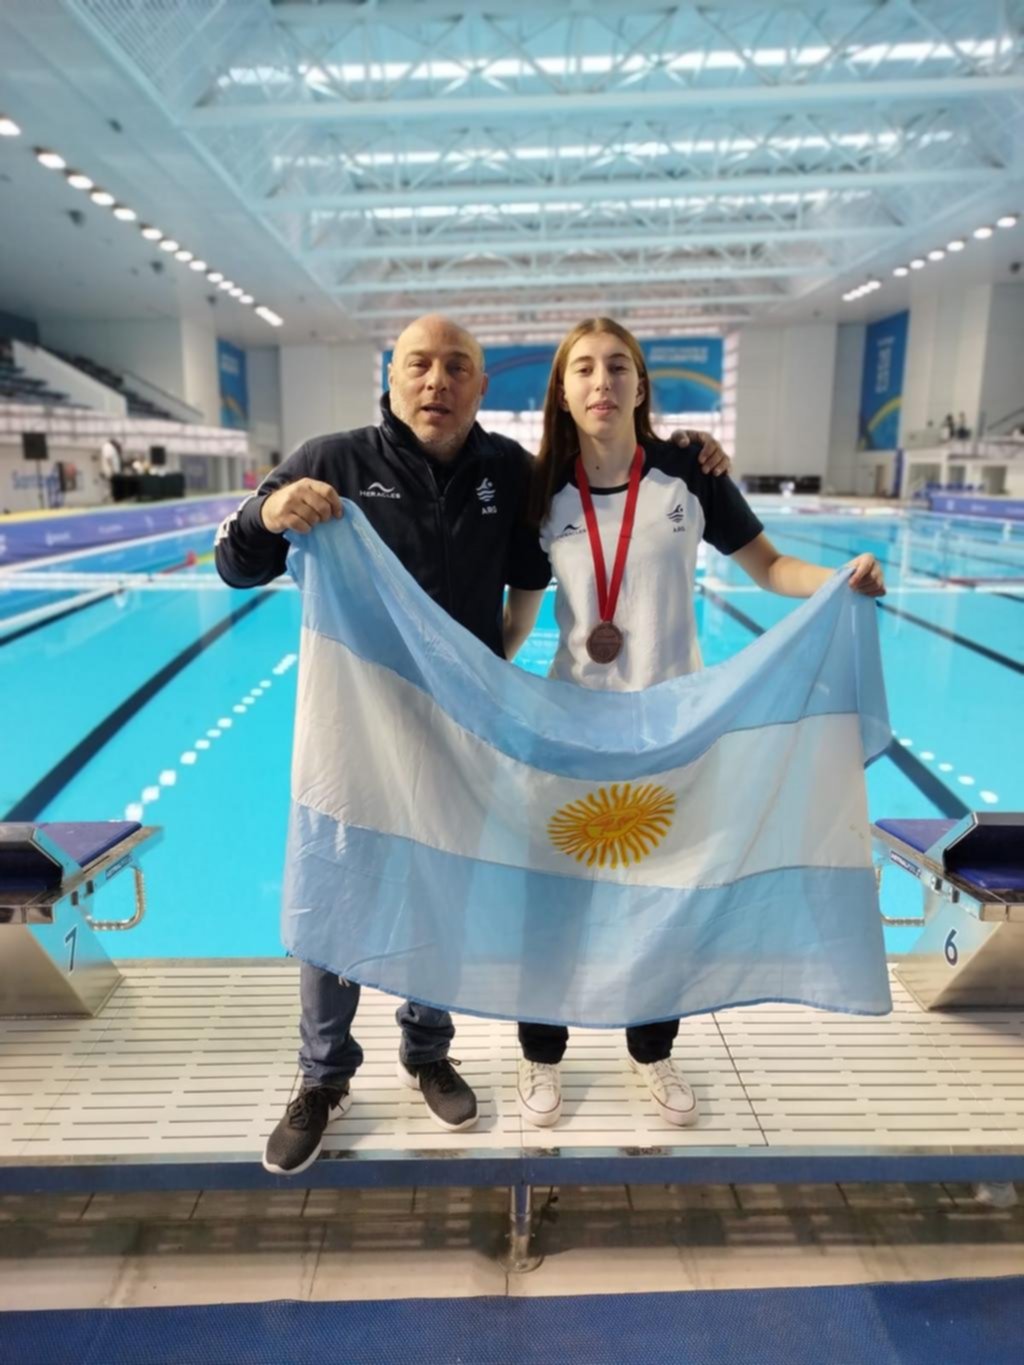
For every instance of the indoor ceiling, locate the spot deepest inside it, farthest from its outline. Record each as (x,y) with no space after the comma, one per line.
(519,165)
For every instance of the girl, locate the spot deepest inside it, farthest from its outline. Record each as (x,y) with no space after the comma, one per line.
(621,514)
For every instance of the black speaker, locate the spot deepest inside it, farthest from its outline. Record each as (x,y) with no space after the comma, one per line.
(33,445)
(157,455)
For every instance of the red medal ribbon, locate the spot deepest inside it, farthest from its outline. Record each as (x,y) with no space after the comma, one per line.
(607,597)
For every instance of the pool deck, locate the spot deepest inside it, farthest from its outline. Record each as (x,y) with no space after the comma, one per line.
(178,1082)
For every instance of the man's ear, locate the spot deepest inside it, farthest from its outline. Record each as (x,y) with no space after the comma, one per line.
(391,370)
(484,385)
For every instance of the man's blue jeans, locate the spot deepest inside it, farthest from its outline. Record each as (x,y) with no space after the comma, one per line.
(331,1056)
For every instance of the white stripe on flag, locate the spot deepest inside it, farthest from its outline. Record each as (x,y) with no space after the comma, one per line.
(373,751)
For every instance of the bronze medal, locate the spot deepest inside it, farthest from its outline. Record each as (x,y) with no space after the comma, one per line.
(604,642)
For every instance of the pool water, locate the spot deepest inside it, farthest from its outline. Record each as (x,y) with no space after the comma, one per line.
(171,701)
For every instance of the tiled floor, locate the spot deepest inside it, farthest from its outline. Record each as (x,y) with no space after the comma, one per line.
(220,1246)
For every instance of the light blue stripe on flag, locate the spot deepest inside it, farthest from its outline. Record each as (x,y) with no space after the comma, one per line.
(476,838)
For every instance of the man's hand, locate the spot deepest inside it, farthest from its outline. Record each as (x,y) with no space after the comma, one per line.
(712,458)
(867,576)
(299,506)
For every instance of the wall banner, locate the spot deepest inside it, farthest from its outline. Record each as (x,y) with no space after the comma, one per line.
(234,388)
(686,375)
(881,394)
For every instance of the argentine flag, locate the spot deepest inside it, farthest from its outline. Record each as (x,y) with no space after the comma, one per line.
(475,838)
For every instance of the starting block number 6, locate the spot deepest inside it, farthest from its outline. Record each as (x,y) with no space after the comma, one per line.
(950,949)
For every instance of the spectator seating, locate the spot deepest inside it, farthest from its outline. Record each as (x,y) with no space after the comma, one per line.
(18,387)
(137,405)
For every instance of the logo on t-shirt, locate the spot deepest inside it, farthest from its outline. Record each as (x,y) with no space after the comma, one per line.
(377,490)
(570,529)
(678,517)
(485,492)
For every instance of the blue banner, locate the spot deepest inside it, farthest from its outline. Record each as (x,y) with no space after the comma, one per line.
(970,505)
(34,536)
(881,393)
(685,372)
(234,388)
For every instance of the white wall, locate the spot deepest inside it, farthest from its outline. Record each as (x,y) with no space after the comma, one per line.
(19,477)
(199,370)
(326,388)
(947,345)
(841,474)
(263,378)
(1002,385)
(785,378)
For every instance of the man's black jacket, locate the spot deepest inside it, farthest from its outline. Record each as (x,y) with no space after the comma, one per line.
(459,528)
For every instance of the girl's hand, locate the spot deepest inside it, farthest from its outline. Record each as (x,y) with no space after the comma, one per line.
(867,576)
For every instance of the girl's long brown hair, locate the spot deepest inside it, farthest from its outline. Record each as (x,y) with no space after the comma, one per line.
(560,443)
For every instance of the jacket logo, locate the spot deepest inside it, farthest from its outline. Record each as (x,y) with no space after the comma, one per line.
(377,490)
(485,492)
(570,529)
(677,516)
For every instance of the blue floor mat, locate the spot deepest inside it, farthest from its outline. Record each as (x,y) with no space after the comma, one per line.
(943,1322)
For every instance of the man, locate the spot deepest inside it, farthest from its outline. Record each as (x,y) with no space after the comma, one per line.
(450,500)
(111,459)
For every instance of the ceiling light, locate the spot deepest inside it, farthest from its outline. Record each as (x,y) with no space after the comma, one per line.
(102,197)
(151,234)
(78,181)
(169,244)
(183,255)
(125,214)
(268,315)
(982,232)
(50,160)
(227,284)
(957,244)
(8,127)
(1007,220)
(237,292)
(197,265)
(917,263)
(874,284)
(900,271)
(215,277)
(936,255)
(246,299)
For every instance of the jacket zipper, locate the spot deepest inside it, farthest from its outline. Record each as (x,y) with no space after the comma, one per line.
(439,508)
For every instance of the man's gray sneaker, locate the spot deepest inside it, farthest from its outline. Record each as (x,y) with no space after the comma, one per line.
(450,1100)
(295,1143)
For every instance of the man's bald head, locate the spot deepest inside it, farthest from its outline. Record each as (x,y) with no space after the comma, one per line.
(436,379)
(435,328)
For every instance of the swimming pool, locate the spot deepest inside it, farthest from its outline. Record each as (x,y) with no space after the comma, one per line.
(170,700)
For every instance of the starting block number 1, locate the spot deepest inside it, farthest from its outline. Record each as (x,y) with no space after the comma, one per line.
(71,939)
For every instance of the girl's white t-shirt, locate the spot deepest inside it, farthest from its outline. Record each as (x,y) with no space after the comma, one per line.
(677,506)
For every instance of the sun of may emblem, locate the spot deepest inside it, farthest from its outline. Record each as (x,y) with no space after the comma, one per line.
(615,825)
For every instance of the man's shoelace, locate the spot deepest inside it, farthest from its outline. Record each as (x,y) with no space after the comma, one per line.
(307,1106)
(442,1073)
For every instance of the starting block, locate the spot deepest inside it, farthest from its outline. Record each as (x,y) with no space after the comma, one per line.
(51,959)
(970,952)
